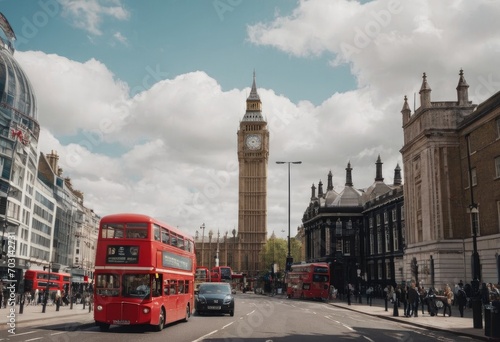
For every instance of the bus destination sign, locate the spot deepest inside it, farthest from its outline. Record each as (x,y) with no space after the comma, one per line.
(122,255)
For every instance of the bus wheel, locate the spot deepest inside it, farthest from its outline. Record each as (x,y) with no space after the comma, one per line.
(188,313)
(161,321)
(103,327)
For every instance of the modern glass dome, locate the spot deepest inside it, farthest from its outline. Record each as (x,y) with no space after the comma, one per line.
(17,98)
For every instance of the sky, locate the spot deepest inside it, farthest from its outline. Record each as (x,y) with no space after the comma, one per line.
(142,100)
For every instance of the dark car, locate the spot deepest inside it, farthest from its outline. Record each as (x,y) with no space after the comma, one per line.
(214,298)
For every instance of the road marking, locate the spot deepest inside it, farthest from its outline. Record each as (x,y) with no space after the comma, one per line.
(224,327)
(26,333)
(251,312)
(58,333)
(34,339)
(204,336)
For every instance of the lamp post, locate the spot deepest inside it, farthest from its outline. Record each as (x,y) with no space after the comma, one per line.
(477,316)
(47,289)
(289,259)
(202,244)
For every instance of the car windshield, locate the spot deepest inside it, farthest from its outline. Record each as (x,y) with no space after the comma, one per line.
(214,289)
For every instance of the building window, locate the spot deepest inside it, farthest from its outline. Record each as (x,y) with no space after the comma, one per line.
(386,217)
(474,177)
(338,228)
(497,167)
(379,241)
(388,270)
(387,240)
(378,219)
(395,236)
(498,215)
(380,270)
(347,247)
(327,241)
(394,215)
(339,245)
(402,213)
(372,242)
(370,222)
(498,127)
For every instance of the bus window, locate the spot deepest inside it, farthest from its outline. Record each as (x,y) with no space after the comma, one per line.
(156,286)
(180,243)
(166,288)
(173,240)
(112,231)
(157,232)
(137,230)
(165,238)
(173,287)
(107,285)
(136,285)
(180,287)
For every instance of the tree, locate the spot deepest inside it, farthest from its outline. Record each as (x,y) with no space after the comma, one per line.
(275,251)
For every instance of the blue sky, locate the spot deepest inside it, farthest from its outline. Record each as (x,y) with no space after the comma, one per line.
(142,99)
(176,37)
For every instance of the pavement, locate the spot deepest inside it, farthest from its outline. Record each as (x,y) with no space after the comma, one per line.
(32,316)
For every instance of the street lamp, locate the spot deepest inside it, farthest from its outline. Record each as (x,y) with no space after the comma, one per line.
(477,318)
(202,244)
(289,259)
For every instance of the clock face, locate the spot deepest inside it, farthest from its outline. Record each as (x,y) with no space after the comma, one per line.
(253,141)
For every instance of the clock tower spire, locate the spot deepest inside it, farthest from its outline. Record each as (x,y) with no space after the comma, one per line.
(253,155)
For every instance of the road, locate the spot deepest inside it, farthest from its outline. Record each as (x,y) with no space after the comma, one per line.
(257,318)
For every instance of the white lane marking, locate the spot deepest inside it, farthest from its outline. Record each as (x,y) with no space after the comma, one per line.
(204,336)
(224,327)
(26,333)
(58,333)
(34,339)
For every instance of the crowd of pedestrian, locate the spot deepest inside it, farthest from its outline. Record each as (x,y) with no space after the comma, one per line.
(412,298)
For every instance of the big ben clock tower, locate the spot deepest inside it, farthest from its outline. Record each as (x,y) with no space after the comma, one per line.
(253,155)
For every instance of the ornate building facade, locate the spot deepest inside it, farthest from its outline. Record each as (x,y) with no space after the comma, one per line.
(240,249)
(447,145)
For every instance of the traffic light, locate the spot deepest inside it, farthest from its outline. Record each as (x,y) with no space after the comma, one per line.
(289,262)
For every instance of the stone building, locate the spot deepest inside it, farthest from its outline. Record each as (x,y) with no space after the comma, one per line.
(354,230)
(445,144)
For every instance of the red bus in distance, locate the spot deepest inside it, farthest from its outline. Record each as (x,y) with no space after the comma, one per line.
(221,274)
(37,280)
(310,281)
(144,272)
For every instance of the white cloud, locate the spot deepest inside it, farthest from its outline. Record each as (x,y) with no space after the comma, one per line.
(176,140)
(88,15)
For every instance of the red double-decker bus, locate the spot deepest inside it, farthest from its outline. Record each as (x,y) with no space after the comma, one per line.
(308,281)
(221,274)
(144,272)
(37,280)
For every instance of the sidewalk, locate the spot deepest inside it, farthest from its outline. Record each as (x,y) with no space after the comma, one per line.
(33,313)
(454,324)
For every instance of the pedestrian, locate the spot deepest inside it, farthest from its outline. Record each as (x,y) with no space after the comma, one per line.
(422,293)
(461,299)
(349,293)
(1,293)
(403,298)
(369,292)
(431,302)
(448,293)
(413,298)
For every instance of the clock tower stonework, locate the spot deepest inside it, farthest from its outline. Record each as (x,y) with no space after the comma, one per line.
(253,156)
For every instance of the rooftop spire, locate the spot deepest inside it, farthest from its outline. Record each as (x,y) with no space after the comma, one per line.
(397,175)
(330,182)
(378,176)
(406,111)
(254,105)
(348,175)
(462,90)
(425,93)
